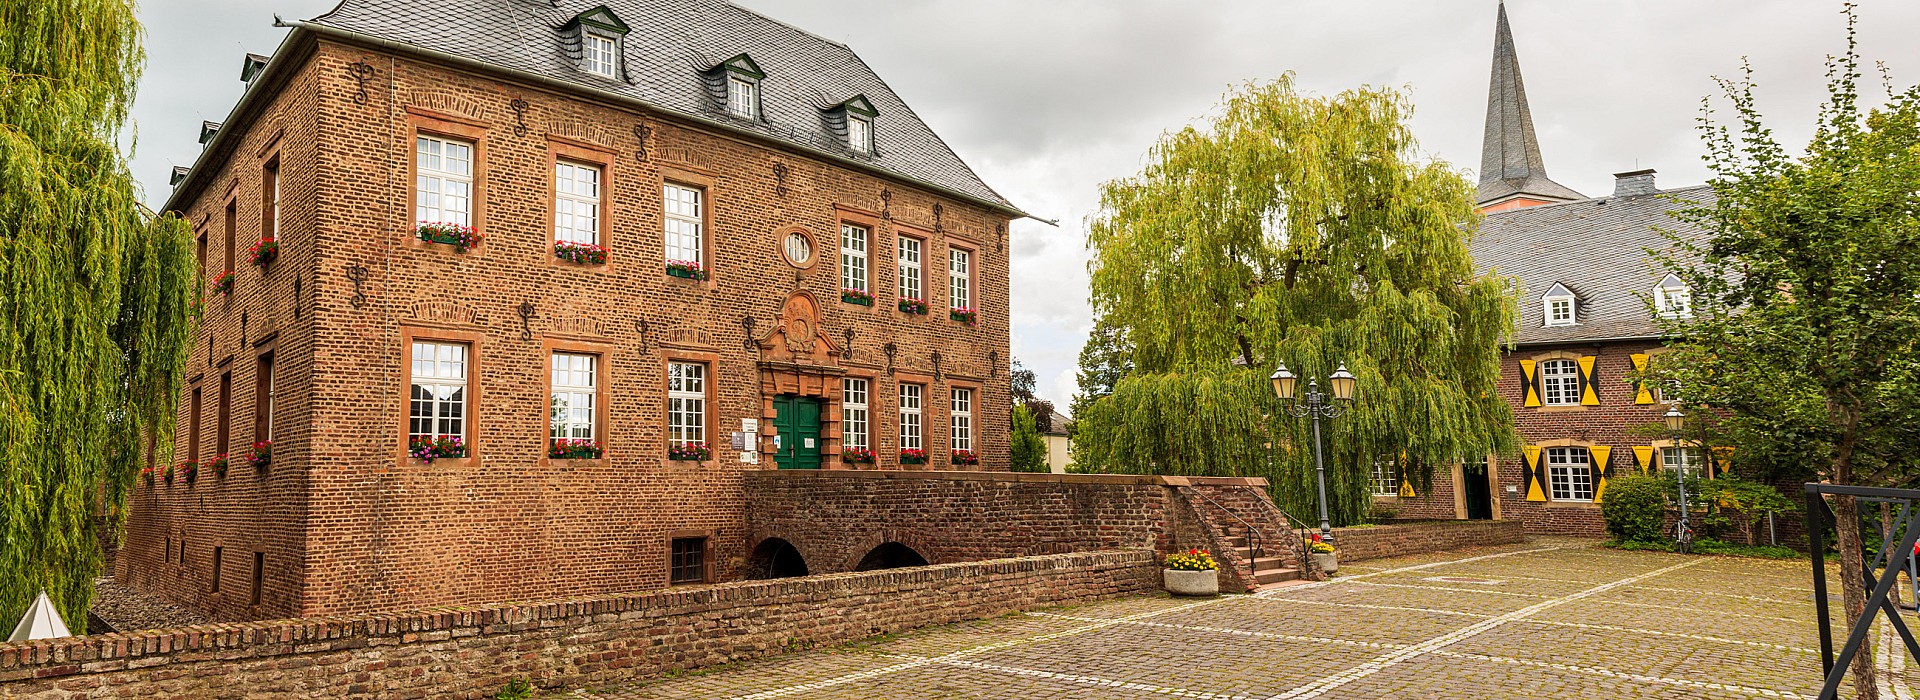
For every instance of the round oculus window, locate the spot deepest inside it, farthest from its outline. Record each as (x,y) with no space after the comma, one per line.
(799,248)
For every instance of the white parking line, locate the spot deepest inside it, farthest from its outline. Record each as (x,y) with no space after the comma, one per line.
(1381,663)
(1718,613)
(1077,679)
(1299,601)
(1450,588)
(1249,633)
(1404,569)
(1595,671)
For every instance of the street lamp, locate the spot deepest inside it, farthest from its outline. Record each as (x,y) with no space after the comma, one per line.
(1683,534)
(1316,406)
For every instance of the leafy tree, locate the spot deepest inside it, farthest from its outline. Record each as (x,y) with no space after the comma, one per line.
(97,298)
(1105,359)
(1307,230)
(1029,449)
(1806,296)
(1024,383)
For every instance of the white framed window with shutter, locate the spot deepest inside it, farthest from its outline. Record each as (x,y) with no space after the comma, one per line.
(1569,474)
(1560,382)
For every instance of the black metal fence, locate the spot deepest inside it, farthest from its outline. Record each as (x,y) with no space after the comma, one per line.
(1880,570)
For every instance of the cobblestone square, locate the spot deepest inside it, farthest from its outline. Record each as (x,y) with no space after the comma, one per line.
(1553,618)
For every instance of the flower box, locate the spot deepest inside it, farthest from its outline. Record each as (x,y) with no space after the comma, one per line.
(429,449)
(686,269)
(146,474)
(565,448)
(189,472)
(913,456)
(222,283)
(857,296)
(690,452)
(965,458)
(261,454)
(1193,572)
(914,306)
(964,314)
(1325,557)
(169,475)
(462,238)
(218,465)
(264,252)
(856,455)
(581,253)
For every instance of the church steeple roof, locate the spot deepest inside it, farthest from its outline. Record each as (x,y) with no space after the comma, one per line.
(1510,162)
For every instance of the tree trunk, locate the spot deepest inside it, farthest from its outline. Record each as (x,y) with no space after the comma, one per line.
(1853,588)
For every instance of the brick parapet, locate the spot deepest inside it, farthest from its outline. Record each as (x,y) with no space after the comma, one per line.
(1393,540)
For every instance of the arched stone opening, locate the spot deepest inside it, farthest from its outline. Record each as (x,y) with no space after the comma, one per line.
(891,555)
(775,558)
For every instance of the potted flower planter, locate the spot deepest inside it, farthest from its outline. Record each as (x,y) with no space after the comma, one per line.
(1329,562)
(1192,572)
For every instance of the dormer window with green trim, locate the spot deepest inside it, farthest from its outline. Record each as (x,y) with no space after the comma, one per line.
(740,79)
(596,35)
(856,121)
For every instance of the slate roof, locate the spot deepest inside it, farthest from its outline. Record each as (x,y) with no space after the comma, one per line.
(1510,161)
(1597,248)
(671,44)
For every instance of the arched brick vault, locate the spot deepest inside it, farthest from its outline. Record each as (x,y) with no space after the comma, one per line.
(862,544)
(808,552)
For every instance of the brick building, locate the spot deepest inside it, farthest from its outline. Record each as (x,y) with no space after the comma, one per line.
(1588,298)
(687,240)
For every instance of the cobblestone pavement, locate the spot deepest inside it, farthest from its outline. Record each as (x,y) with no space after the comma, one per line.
(1546,619)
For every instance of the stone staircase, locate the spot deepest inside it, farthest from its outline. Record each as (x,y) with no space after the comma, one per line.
(1267,570)
(1225,514)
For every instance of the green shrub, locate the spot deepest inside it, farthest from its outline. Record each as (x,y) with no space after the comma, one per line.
(1635,508)
(517,689)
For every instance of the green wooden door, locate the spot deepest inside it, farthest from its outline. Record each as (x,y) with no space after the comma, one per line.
(798,425)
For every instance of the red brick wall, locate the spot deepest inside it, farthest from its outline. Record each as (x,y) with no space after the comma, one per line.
(1382,541)
(350,526)
(472,652)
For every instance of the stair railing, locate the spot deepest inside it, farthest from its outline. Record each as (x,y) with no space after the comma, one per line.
(1287,521)
(1253,536)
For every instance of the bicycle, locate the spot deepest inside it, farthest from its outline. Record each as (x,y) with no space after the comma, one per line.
(1683,537)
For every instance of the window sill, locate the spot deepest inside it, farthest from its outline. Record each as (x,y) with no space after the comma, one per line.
(416,243)
(453,462)
(1567,408)
(1588,505)
(566,463)
(588,267)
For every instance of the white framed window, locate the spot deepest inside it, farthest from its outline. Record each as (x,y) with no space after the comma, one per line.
(1560,311)
(1385,481)
(960,419)
(600,55)
(743,97)
(686,227)
(959,278)
(1560,382)
(686,403)
(853,257)
(576,203)
(853,412)
(438,399)
(576,384)
(1672,298)
(912,399)
(1689,459)
(910,250)
(859,133)
(1569,474)
(443,191)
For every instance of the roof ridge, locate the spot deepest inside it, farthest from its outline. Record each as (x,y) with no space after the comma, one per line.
(783,23)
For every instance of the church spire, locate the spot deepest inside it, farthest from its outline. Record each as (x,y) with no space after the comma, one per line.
(1510,164)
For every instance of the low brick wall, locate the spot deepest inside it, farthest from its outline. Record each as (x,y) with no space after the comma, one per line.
(1382,541)
(472,651)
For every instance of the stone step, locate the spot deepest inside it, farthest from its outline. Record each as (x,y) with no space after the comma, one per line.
(1272,576)
(1268,563)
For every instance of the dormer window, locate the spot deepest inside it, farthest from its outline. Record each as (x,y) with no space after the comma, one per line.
(860,133)
(1672,299)
(595,35)
(854,118)
(743,98)
(736,87)
(1559,306)
(599,55)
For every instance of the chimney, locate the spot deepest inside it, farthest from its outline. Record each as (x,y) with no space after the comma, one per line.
(1634,183)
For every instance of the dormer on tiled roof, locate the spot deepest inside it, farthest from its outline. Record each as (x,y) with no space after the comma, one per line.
(853,121)
(595,41)
(734,85)
(1560,306)
(179,173)
(251,68)
(207,131)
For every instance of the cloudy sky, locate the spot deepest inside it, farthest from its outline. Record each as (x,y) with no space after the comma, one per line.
(1048,98)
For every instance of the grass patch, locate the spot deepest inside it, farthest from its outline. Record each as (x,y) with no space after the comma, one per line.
(1711,546)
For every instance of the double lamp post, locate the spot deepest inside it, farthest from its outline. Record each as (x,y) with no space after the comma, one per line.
(1317,406)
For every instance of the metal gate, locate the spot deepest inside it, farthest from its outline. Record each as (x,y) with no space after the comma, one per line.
(1880,571)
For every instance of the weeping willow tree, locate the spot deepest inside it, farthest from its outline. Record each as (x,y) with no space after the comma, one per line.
(95,298)
(1306,230)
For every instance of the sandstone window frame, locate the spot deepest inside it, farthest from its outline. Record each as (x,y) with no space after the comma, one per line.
(562,151)
(223,428)
(603,366)
(270,196)
(856,413)
(1564,370)
(263,388)
(963,403)
(471,413)
(707,184)
(195,395)
(790,241)
(960,266)
(230,222)
(709,410)
(1691,458)
(910,276)
(214,580)
(1569,469)
(910,402)
(856,256)
(422,121)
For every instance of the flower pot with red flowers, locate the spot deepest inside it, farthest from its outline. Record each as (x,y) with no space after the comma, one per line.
(914,306)
(428,449)
(690,452)
(913,456)
(222,283)
(857,296)
(462,238)
(218,465)
(261,454)
(856,455)
(569,448)
(264,252)
(1325,557)
(686,269)
(965,458)
(1192,572)
(964,314)
(581,253)
(146,474)
(169,475)
(189,472)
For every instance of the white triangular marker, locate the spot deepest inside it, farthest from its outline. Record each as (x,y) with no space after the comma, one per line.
(42,621)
